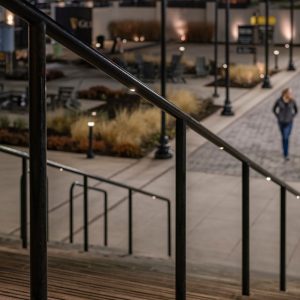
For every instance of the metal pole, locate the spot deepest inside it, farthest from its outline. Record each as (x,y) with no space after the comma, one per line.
(163,149)
(130,222)
(90,153)
(215,94)
(38,167)
(227,108)
(24,203)
(71,198)
(291,66)
(282,238)
(245,231)
(85,213)
(169,230)
(266,83)
(180,259)
(105,219)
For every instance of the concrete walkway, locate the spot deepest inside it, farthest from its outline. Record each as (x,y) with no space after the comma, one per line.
(214,201)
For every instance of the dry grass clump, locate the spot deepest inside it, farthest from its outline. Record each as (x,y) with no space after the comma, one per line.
(123,135)
(61,122)
(245,74)
(185,100)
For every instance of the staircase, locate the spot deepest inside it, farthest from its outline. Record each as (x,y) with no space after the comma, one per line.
(94,275)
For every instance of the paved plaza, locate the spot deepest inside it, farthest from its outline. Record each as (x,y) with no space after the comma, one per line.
(213,190)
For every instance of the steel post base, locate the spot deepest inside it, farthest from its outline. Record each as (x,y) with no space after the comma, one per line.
(266,83)
(163,149)
(227,110)
(90,154)
(291,66)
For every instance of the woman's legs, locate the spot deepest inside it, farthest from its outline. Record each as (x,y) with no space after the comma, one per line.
(285,129)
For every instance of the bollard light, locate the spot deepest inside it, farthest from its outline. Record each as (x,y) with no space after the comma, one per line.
(181,49)
(90,153)
(276,55)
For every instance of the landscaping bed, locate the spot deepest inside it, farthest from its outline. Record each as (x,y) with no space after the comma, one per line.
(121,128)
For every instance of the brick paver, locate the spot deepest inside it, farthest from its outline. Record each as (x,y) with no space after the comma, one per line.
(257,135)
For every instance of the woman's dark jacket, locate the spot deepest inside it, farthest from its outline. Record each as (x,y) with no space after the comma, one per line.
(285,112)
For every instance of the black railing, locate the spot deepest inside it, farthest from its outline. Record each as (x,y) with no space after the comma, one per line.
(62,168)
(37,23)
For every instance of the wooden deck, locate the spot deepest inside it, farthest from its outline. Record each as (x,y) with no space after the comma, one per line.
(82,276)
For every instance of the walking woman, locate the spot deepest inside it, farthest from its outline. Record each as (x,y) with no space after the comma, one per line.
(285,110)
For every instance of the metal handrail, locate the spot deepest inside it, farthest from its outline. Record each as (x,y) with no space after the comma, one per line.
(85,209)
(86,176)
(40,24)
(29,13)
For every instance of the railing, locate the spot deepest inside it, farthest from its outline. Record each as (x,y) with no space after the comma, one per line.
(62,168)
(39,25)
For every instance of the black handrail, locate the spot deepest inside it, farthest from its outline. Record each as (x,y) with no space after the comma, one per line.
(38,21)
(71,214)
(86,176)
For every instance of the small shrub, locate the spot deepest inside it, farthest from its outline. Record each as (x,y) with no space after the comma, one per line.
(20,124)
(4,122)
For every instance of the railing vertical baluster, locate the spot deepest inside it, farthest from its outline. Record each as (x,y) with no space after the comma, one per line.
(180,260)
(85,213)
(105,219)
(23,198)
(47,201)
(129,222)
(71,211)
(169,229)
(38,170)
(282,238)
(245,231)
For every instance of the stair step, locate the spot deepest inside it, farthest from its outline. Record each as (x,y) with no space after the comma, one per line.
(75,276)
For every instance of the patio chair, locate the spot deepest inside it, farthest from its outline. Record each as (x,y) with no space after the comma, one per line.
(148,72)
(201,67)
(175,70)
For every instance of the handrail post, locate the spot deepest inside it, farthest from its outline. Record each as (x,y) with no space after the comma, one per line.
(129,222)
(105,219)
(38,166)
(71,209)
(23,207)
(245,231)
(282,238)
(85,213)
(180,259)
(169,229)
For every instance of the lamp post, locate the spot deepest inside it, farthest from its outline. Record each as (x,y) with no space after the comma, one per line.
(227,108)
(291,66)
(90,153)
(163,149)
(266,82)
(215,94)
(276,55)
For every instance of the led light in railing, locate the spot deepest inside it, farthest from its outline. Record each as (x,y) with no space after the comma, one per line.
(132,90)
(221,148)
(287,46)
(268,178)
(153,197)
(181,49)
(61,169)
(91,124)
(298,197)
